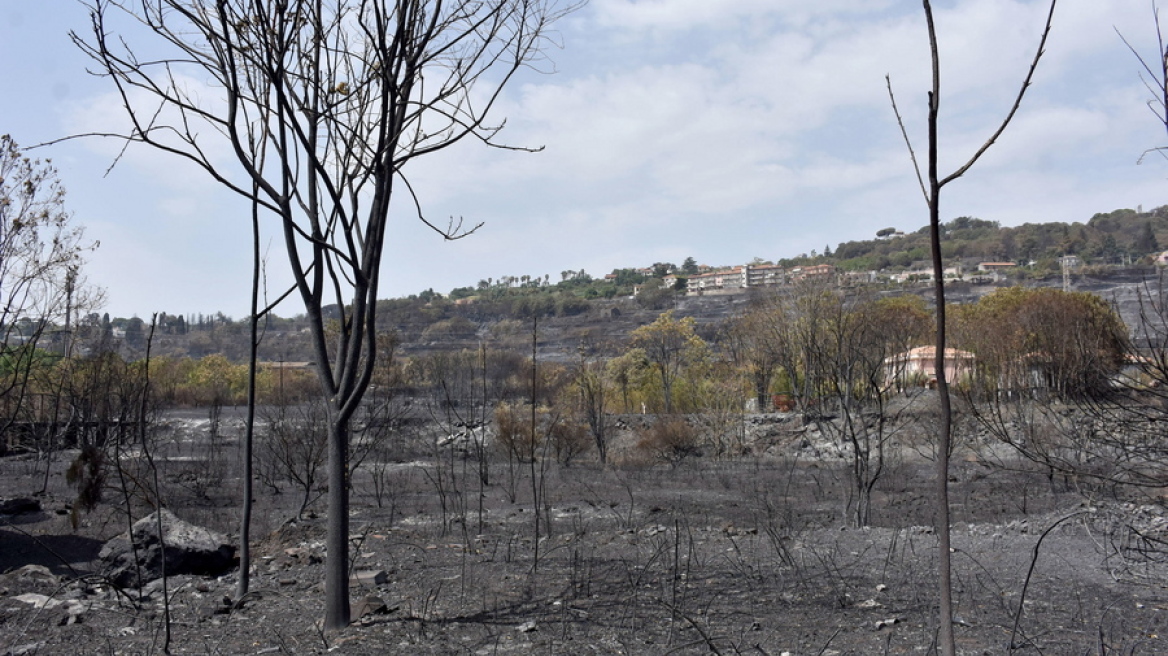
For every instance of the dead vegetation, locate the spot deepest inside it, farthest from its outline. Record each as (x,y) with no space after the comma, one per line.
(650,554)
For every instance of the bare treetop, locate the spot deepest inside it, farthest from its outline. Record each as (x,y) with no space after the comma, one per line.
(348,89)
(322,102)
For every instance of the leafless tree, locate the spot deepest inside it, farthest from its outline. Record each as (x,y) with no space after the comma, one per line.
(931,183)
(294,449)
(755,349)
(594,398)
(1110,430)
(248,455)
(1154,74)
(322,102)
(1124,442)
(834,347)
(848,364)
(41,290)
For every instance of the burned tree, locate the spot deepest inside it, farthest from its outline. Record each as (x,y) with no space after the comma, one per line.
(932,181)
(322,103)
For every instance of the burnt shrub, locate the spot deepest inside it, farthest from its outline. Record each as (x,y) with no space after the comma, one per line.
(670,439)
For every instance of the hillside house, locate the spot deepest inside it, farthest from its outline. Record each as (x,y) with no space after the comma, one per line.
(912,275)
(699,284)
(764,275)
(815,271)
(995,271)
(995,266)
(722,281)
(925,274)
(853,278)
(917,366)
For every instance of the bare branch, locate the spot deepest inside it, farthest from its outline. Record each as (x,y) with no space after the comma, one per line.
(1017,101)
(907,142)
(321,103)
(452,231)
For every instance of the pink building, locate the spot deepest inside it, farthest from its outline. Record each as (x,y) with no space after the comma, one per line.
(919,364)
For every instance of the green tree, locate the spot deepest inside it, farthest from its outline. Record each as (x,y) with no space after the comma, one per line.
(754,342)
(1072,343)
(655,296)
(1146,241)
(594,392)
(627,277)
(669,345)
(135,333)
(626,372)
(662,269)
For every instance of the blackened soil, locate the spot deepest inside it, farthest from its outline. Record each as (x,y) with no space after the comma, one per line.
(747,556)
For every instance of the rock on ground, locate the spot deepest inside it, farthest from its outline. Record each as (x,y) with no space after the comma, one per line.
(189,549)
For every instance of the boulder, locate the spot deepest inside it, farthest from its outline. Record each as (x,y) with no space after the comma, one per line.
(372,577)
(189,549)
(31,572)
(371,605)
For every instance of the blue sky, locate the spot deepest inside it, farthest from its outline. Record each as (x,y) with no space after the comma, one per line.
(672,128)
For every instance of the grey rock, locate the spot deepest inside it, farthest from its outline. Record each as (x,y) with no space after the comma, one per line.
(30,573)
(369,577)
(371,605)
(189,549)
(38,601)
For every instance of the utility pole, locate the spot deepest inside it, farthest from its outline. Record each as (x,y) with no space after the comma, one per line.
(70,281)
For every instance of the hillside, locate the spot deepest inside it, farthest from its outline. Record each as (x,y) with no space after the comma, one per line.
(442,325)
(1119,237)
(1116,250)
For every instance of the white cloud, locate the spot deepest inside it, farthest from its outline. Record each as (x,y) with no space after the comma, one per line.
(106,114)
(674,14)
(713,129)
(677,15)
(725,151)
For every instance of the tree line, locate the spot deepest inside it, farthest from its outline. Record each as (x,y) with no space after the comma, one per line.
(811,346)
